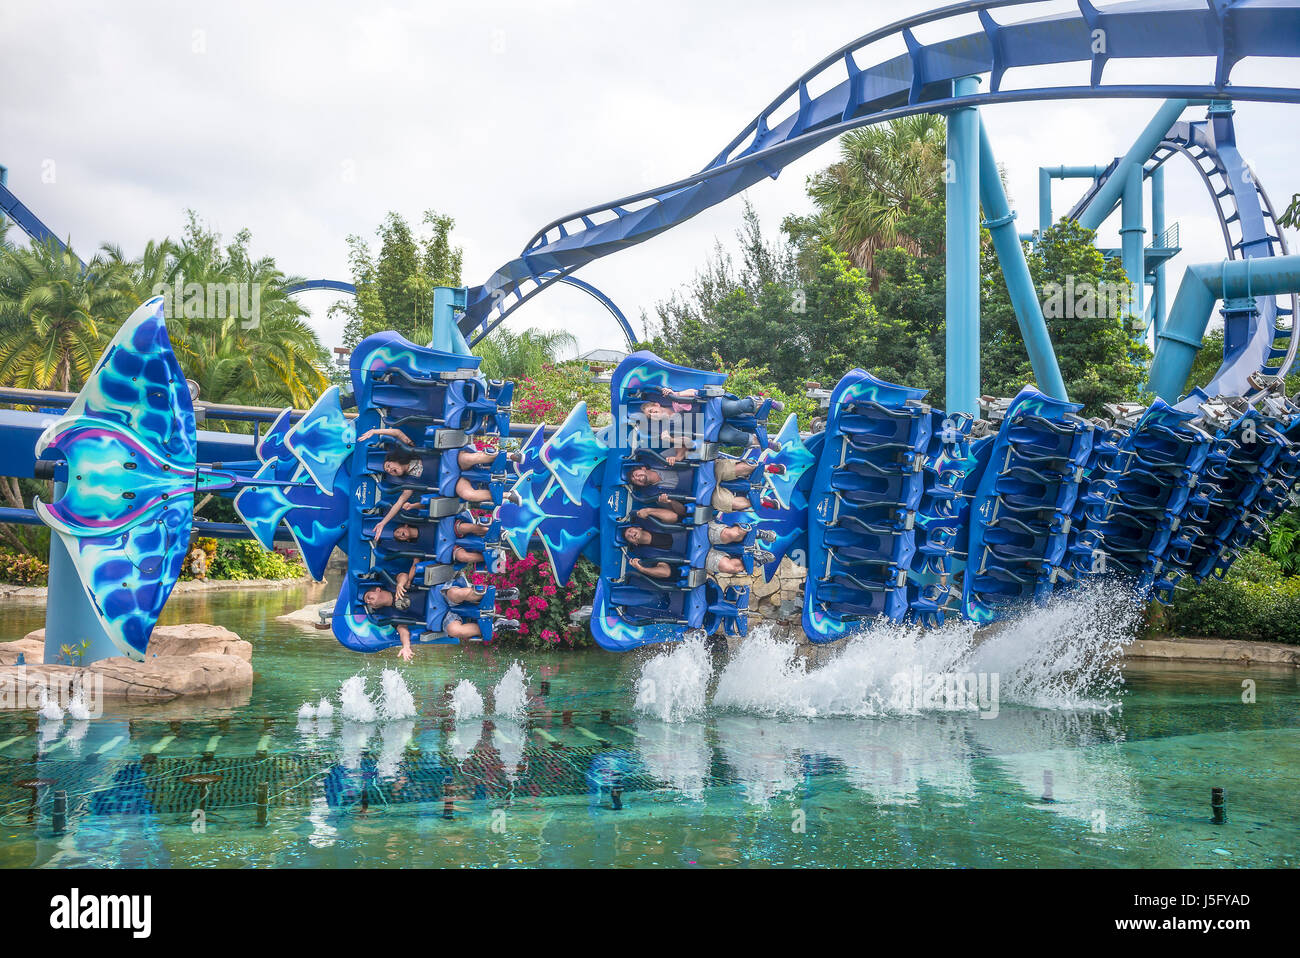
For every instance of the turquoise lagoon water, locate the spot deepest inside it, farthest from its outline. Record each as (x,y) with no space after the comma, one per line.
(716,760)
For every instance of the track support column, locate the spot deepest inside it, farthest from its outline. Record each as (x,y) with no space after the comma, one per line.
(962,301)
(70,617)
(1158,293)
(1132,234)
(1001,223)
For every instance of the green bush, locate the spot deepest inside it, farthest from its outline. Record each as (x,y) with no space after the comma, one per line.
(22,569)
(1257,600)
(238,559)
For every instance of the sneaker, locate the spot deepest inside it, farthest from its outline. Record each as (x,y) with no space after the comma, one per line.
(778,405)
(515,456)
(512,497)
(775,468)
(763,557)
(507,595)
(506,625)
(765,535)
(769,504)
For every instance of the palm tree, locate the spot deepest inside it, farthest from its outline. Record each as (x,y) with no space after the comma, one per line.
(508,355)
(56,315)
(884,173)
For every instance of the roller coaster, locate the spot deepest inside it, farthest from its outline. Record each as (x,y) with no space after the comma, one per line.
(898,509)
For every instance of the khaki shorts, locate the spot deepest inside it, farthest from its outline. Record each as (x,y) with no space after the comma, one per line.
(726,469)
(722,499)
(713,560)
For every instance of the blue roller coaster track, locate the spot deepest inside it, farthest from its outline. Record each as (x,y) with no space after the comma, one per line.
(920,80)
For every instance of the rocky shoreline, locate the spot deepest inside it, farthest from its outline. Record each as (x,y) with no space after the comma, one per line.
(183,660)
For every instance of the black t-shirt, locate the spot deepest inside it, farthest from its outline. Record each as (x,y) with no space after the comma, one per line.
(660,540)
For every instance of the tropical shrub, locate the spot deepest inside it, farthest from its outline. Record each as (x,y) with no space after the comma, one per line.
(1256,600)
(239,559)
(22,569)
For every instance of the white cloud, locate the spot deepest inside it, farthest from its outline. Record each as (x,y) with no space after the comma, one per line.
(504,114)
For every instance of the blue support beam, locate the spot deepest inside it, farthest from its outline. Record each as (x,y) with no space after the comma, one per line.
(1132,234)
(1001,224)
(962,295)
(1045,176)
(1158,226)
(1203,285)
(1112,191)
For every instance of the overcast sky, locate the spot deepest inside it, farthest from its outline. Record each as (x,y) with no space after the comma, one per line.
(308,121)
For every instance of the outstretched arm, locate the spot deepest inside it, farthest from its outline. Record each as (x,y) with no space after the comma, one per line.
(402,500)
(390,432)
(406,652)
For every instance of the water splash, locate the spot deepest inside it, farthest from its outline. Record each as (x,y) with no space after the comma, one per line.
(510,697)
(77,708)
(1065,654)
(395,699)
(466,701)
(673,686)
(306,712)
(324,708)
(355,701)
(50,710)
(1062,655)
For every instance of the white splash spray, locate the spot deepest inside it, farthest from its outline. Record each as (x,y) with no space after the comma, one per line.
(466,701)
(77,708)
(324,708)
(1063,655)
(355,701)
(673,685)
(395,699)
(49,707)
(510,697)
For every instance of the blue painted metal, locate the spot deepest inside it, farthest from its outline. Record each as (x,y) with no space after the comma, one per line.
(1000,222)
(914,82)
(1045,176)
(1132,233)
(962,250)
(28,221)
(124,512)
(1204,285)
(1158,294)
(1111,190)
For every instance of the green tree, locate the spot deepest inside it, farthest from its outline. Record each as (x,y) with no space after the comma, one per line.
(271,359)
(508,355)
(395,286)
(1101,361)
(56,315)
(885,173)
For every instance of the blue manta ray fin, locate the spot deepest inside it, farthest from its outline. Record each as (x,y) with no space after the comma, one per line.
(271,448)
(323,440)
(131,432)
(263,507)
(574,452)
(793,455)
(317,522)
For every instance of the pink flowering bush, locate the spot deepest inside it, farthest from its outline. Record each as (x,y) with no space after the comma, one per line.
(552,393)
(544,605)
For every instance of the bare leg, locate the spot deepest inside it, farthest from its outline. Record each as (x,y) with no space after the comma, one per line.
(467,491)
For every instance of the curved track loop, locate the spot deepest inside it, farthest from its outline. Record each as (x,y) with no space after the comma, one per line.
(918,81)
(1250,230)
